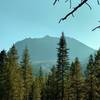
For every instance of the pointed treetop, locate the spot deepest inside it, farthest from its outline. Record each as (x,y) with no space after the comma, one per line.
(12,53)
(26,57)
(62,40)
(3,52)
(97,55)
(62,35)
(91,58)
(2,55)
(13,47)
(76,59)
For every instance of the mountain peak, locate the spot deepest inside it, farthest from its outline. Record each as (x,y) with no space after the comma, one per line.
(45,48)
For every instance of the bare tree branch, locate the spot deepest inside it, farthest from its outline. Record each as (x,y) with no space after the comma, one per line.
(98,27)
(74,10)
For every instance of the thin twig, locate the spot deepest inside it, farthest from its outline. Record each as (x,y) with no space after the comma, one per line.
(89,6)
(70,3)
(55,2)
(66,1)
(96,28)
(72,15)
(98,2)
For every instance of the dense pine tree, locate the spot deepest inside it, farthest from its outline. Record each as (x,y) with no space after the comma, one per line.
(3,76)
(90,80)
(97,73)
(15,80)
(32,92)
(39,82)
(62,69)
(26,74)
(49,91)
(77,81)
(53,83)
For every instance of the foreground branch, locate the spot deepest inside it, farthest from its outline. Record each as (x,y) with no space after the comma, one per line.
(74,10)
(83,2)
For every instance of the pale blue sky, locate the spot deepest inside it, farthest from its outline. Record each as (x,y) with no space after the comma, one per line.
(21,19)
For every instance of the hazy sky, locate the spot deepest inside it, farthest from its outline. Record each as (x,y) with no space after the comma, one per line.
(21,19)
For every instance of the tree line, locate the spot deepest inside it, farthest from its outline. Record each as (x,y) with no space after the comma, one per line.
(65,81)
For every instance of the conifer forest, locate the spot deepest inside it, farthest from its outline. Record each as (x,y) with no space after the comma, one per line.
(37,72)
(65,81)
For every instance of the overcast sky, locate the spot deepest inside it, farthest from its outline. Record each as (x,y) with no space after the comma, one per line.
(20,19)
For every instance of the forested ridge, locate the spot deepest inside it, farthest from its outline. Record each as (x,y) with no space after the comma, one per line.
(65,81)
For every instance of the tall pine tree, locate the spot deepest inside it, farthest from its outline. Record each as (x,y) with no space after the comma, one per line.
(77,81)
(26,74)
(90,80)
(15,80)
(97,73)
(62,69)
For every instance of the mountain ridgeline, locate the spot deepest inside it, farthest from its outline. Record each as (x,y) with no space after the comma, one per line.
(65,81)
(43,51)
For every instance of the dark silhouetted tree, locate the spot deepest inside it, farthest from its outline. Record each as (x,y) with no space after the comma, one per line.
(62,73)
(4,86)
(97,73)
(90,80)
